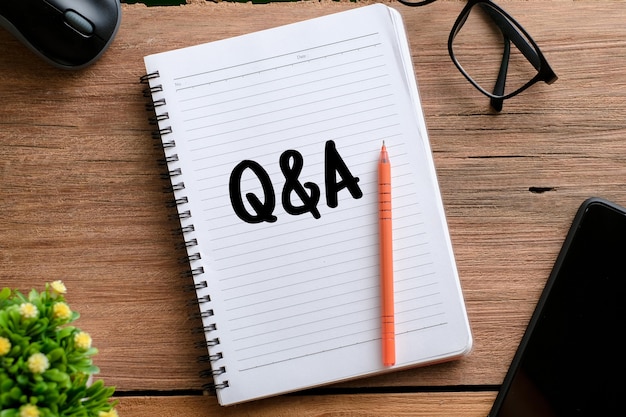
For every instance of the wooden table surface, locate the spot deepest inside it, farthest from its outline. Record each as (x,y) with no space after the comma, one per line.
(82,201)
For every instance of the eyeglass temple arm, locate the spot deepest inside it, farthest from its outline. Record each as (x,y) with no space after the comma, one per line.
(498,88)
(509,31)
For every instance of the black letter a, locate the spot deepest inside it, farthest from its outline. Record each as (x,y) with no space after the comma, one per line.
(334,165)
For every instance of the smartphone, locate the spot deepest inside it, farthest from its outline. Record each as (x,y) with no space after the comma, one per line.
(572,358)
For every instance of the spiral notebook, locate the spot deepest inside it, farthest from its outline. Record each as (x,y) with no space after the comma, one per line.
(272,141)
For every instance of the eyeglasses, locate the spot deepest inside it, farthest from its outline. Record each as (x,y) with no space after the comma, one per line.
(480,45)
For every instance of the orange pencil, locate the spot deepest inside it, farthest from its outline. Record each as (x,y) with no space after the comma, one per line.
(386,258)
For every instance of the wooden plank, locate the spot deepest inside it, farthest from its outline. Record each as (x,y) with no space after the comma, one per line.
(362,405)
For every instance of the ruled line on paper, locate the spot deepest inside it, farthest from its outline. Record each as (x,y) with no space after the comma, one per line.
(311,281)
(420,282)
(316,351)
(336,315)
(276,265)
(239,287)
(357,134)
(286,54)
(286,253)
(342,336)
(352,81)
(290,139)
(363,317)
(274,121)
(293,138)
(278,340)
(412,275)
(283,234)
(427,290)
(314,348)
(311,298)
(278,67)
(296,126)
(368,76)
(296,76)
(274,251)
(233,96)
(263,364)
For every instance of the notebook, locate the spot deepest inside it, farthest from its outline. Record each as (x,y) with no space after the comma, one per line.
(272,141)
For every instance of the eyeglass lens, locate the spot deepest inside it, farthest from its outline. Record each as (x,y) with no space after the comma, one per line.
(493,51)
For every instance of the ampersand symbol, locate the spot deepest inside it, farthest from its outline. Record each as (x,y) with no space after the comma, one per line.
(291,163)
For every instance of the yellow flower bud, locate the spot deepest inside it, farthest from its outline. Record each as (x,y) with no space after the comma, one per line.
(58,288)
(5,346)
(29,410)
(82,340)
(111,413)
(28,310)
(61,311)
(38,363)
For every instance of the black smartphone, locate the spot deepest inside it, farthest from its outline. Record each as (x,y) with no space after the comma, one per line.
(572,358)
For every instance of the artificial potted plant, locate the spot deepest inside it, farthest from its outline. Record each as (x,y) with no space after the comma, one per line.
(45,363)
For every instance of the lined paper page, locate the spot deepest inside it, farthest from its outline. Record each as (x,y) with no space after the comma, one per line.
(278,135)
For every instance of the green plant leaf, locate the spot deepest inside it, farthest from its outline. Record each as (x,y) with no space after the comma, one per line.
(57,376)
(39,388)
(57,354)
(3,320)
(6,384)
(9,413)
(15,393)
(22,379)
(65,332)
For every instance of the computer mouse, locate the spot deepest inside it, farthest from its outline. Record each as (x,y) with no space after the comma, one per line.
(69,34)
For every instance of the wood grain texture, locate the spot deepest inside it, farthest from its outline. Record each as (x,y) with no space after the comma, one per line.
(362,405)
(82,196)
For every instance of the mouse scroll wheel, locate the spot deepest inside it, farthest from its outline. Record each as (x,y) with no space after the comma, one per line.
(78,23)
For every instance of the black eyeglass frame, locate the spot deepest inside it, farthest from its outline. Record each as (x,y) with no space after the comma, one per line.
(513,32)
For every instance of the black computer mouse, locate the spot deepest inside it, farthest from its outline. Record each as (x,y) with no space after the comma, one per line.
(69,34)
